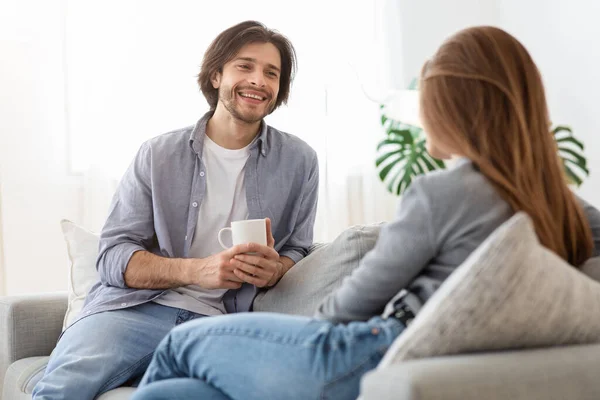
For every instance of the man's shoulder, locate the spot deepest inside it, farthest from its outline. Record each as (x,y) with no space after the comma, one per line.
(291,144)
(169,142)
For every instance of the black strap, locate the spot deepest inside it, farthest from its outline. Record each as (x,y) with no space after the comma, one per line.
(403,313)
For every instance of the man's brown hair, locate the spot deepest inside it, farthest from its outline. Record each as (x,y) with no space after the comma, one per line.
(229,42)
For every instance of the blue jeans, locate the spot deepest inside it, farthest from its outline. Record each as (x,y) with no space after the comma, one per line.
(266,356)
(106,350)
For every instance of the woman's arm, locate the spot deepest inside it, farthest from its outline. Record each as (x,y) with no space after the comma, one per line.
(404,248)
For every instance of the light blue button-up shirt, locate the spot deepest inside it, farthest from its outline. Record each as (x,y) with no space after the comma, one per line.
(156,208)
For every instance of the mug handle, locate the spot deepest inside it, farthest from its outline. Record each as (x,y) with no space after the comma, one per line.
(220,239)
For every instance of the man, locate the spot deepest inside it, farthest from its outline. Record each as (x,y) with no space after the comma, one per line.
(159,262)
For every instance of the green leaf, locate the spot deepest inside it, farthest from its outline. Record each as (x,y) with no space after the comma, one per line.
(418,166)
(560,128)
(432,163)
(385,156)
(439,163)
(383,119)
(386,170)
(404,183)
(576,164)
(579,159)
(402,154)
(404,134)
(387,142)
(572,176)
(570,139)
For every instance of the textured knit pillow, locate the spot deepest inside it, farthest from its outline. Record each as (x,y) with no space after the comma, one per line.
(511,293)
(303,288)
(82,246)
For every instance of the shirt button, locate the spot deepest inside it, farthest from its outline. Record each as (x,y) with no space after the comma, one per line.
(264,153)
(123,304)
(202,173)
(194,204)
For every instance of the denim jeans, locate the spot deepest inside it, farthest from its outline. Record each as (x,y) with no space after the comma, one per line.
(106,350)
(266,356)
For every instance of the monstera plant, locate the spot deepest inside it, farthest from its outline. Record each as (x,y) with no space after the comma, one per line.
(402,155)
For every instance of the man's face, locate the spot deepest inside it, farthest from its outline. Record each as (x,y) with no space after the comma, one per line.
(249,83)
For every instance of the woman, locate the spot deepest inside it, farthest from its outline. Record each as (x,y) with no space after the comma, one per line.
(482,101)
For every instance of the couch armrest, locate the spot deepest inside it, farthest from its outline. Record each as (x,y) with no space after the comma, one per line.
(569,372)
(29,326)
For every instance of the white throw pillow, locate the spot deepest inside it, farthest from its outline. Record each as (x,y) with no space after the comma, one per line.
(511,293)
(82,246)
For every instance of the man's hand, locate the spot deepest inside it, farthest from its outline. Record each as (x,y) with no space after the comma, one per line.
(217,271)
(263,268)
(225,270)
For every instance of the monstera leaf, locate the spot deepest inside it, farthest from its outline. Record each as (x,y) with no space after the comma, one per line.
(570,151)
(403,156)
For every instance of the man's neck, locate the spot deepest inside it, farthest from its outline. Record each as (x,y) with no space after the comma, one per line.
(229,132)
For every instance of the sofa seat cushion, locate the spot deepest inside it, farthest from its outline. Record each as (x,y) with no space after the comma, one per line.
(22,376)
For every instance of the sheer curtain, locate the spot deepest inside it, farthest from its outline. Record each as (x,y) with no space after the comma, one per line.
(2,272)
(130,75)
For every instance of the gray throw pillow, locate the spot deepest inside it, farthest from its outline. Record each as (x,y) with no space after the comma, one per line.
(511,293)
(303,288)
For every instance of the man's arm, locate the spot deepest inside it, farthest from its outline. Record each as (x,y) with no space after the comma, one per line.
(297,245)
(123,259)
(129,227)
(149,271)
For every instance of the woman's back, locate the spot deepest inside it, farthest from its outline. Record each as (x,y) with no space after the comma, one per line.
(441,220)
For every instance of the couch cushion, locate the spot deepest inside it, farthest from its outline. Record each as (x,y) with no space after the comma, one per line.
(303,288)
(557,373)
(82,247)
(511,293)
(22,376)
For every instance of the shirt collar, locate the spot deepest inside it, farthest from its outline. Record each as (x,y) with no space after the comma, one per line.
(199,131)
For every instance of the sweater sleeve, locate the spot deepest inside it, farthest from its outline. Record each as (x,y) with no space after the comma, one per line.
(404,248)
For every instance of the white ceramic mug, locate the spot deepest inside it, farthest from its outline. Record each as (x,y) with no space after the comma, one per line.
(246,231)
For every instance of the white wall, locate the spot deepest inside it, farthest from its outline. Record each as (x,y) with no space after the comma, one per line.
(36,191)
(131,76)
(426,23)
(562,37)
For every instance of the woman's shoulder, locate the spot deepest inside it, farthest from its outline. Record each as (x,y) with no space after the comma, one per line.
(461,185)
(461,174)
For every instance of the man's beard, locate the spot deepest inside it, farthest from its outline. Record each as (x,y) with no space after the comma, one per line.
(229,100)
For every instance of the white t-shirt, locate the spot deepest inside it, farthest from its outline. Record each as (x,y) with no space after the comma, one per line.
(225,201)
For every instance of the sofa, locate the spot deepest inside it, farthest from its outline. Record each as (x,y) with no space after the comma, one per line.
(439,356)
(30,325)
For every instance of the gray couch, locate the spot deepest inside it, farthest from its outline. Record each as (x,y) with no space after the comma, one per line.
(30,325)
